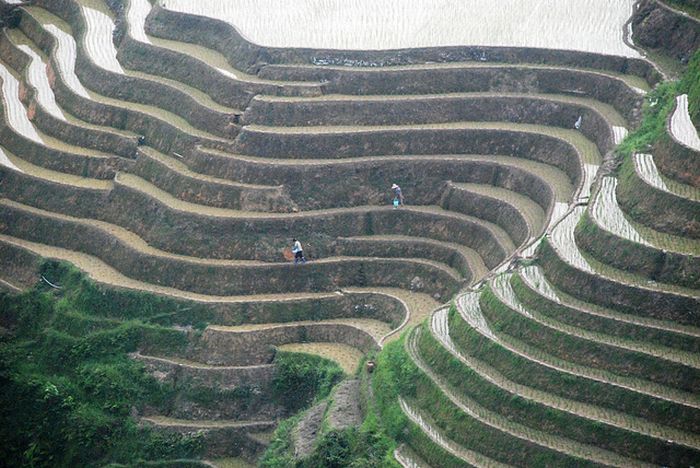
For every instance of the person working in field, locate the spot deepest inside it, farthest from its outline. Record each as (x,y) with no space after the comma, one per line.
(298,252)
(398,196)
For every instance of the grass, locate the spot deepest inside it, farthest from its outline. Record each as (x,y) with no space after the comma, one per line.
(658,104)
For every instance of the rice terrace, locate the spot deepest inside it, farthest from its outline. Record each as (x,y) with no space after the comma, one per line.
(349,233)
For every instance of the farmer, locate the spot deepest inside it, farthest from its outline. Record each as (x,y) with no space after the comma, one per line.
(398,196)
(298,252)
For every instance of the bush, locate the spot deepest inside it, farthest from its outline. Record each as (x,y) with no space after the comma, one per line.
(302,378)
(66,398)
(690,85)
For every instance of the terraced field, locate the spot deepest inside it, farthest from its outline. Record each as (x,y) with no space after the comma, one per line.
(160,152)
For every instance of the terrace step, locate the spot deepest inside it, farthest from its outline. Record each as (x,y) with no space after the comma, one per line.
(346,356)
(220,437)
(173,176)
(18,119)
(499,241)
(374,328)
(83,190)
(671,334)
(562,445)
(201,60)
(37,76)
(632,293)
(106,275)
(518,215)
(681,127)
(463,259)
(647,171)
(637,248)
(184,424)
(338,179)
(439,328)
(470,457)
(21,166)
(97,38)
(64,54)
(201,373)
(606,211)
(642,189)
(418,306)
(368,80)
(545,109)
(108,239)
(277,139)
(470,311)
(408,459)
(617,351)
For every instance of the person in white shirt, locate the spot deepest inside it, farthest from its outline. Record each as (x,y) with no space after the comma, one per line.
(298,252)
(398,196)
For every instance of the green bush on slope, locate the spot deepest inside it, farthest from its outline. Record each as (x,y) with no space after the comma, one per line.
(66,400)
(690,85)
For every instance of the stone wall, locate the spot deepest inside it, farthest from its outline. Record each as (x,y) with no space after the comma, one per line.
(658,265)
(158,133)
(212,192)
(657,26)
(336,305)
(421,141)
(676,160)
(367,182)
(485,79)
(245,348)
(97,166)
(221,278)
(530,110)
(405,248)
(490,209)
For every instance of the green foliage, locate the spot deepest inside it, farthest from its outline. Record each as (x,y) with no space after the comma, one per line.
(301,378)
(69,385)
(82,295)
(367,446)
(692,7)
(279,453)
(394,371)
(363,447)
(690,85)
(657,107)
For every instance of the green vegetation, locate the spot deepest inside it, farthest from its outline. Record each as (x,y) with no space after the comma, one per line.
(69,388)
(71,391)
(692,7)
(599,323)
(521,370)
(690,84)
(302,378)
(659,103)
(366,446)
